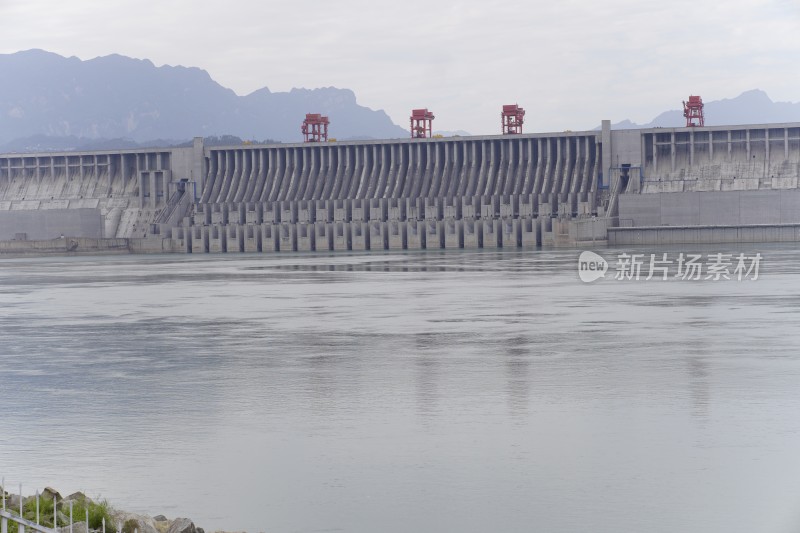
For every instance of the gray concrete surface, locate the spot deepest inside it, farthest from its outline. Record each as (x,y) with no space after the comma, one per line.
(662,235)
(50,224)
(729,208)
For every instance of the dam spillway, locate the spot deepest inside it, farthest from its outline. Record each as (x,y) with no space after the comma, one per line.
(435,168)
(380,194)
(456,192)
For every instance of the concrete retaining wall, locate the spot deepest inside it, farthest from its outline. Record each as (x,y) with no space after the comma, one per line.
(710,208)
(704,234)
(65,246)
(51,223)
(88,246)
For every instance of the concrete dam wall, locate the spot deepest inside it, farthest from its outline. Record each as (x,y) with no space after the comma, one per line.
(459,192)
(394,194)
(435,168)
(109,182)
(717,176)
(720,158)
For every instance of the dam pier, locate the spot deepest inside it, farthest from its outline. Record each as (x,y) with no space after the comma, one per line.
(639,186)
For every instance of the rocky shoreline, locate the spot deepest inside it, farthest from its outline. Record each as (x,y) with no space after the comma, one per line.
(116,521)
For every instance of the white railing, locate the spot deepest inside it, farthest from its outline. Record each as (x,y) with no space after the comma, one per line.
(8,515)
(5,516)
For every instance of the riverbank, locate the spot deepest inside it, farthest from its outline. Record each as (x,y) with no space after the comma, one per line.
(78,513)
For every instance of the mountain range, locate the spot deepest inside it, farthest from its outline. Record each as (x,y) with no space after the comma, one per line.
(117,97)
(750,107)
(51,102)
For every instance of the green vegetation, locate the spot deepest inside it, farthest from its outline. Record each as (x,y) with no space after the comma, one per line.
(97,512)
(130,526)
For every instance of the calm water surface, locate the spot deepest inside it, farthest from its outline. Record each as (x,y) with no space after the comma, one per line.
(459,391)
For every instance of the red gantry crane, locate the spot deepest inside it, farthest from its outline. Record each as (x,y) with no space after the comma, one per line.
(421,124)
(513,116)
(693,111)
(315,128)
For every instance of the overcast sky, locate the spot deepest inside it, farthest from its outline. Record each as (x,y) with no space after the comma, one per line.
(570,63)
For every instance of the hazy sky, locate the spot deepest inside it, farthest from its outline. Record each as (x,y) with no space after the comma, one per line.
(570,63)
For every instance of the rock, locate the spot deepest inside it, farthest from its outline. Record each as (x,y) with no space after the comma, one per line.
(77,527)
(12,501)
(48,493)
(182,525)
(162,523)
(201,530)
(144,524)
(78,497)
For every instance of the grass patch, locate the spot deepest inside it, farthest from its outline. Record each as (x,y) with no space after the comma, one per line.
(97,512)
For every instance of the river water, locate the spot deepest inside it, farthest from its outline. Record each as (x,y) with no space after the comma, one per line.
(465,391)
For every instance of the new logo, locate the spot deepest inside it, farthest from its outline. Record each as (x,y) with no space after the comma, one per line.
(591,266)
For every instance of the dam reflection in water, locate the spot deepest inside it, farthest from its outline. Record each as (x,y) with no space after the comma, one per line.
(440,391)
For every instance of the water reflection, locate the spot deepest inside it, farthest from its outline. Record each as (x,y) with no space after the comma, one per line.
(518,363)
(427,397)
(699,388)
(426,375)
(464,391)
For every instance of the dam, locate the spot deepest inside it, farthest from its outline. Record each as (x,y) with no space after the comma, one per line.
(632,186)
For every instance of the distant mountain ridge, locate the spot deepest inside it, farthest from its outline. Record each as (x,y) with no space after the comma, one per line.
(50,102)
(750,107)
(120,98)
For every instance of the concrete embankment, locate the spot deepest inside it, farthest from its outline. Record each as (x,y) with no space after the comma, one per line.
(664,235)
(85,246)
